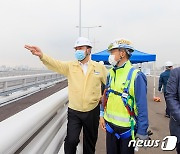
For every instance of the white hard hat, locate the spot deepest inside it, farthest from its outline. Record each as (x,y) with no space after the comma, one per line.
(82,41)
(168,63)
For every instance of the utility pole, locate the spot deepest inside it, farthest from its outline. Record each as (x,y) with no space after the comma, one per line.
(79,18)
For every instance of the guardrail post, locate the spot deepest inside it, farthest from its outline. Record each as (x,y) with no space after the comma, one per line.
(36,79)
(24,82)
(5,86)
(45,77)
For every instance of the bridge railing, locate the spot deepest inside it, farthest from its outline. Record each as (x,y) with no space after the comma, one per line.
(41,128)
(14,83)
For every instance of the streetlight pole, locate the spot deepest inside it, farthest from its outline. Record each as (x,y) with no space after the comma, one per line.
(91,27)
(94,44)
(79,18)
(88,28)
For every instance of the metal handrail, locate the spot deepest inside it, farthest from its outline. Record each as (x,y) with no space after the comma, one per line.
(11,84)
(16,130)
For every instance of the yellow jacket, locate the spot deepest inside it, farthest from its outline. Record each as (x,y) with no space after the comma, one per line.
(84,90)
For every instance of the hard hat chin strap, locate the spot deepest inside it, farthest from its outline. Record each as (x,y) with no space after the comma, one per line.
(118,61)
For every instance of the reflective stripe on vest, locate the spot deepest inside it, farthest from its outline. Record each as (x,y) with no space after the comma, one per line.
(117,118)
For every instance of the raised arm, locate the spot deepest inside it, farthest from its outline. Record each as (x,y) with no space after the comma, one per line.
(50,63)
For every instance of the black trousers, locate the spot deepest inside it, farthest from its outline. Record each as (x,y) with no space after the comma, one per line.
(90,123)
(167,109)
(178,148)
(118,146)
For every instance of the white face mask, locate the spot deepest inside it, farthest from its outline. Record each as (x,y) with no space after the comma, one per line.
(112,60)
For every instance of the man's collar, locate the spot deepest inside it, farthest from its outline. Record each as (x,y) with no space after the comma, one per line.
(84,63)
(122,66)
(90,62)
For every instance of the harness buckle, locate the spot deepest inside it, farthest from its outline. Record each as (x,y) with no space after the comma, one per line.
(117,135)
(125,95)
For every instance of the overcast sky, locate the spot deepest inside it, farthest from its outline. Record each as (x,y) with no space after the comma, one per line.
(152,26)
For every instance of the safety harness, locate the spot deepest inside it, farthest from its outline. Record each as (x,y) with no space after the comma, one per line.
(125,96)
(124,135)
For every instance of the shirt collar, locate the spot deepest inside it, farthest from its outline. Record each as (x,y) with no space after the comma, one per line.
(122,66)
(84,63)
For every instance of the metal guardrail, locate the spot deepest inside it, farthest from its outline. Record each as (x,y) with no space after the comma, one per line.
(4,100)
(11,84)
(46,119)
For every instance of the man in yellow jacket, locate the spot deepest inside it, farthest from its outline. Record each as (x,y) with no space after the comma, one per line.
(84,86)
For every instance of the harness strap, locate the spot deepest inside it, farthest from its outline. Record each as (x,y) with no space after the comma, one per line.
(124,97)
(124,135)
(125,100)
(126,89)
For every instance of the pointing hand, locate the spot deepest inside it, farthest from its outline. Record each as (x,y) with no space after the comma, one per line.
(34,50)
